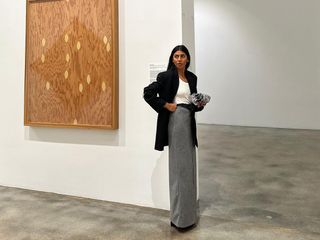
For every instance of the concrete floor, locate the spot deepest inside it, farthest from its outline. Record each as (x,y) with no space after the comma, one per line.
(255,183)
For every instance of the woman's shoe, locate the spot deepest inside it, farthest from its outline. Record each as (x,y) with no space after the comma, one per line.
(183,229)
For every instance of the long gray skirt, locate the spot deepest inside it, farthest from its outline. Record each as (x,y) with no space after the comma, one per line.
(182,169)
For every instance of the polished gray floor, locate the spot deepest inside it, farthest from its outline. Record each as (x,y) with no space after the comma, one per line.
(255,183)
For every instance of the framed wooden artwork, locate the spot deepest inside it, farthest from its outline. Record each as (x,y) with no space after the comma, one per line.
(71,68)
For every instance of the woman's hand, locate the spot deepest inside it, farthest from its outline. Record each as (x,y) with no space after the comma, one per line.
(170,107)
(201,104)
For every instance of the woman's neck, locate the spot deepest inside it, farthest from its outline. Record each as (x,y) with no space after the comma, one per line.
(182,75)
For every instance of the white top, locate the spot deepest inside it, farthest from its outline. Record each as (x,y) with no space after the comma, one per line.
(183,93)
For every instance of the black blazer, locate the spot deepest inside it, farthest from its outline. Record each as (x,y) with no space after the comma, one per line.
(164,90)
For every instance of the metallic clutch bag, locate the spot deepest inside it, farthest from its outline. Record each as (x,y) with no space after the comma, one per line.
(200,99)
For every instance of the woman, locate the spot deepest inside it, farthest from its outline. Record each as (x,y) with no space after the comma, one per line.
(176,127)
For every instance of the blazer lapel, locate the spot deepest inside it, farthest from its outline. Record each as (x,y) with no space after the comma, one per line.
(191,82)
(175,83)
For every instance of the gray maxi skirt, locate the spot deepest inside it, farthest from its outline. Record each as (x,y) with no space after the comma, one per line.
(182,169)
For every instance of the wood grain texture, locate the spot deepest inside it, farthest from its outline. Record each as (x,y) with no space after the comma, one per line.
(72,64)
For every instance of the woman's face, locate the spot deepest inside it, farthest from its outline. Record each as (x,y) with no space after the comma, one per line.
(180,60)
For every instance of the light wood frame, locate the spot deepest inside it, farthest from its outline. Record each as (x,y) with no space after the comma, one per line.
(71,65)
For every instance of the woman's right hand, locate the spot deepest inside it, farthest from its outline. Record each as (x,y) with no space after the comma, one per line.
(170,107)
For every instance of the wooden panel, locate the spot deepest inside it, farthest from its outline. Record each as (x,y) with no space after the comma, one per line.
(71,63)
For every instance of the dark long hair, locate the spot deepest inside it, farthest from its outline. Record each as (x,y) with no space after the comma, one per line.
(182,48)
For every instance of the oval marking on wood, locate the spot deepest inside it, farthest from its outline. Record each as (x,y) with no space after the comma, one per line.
(105,39)
(66,74)
(80,87)
(66,37)
(103,86)
(43,58)
(78,45)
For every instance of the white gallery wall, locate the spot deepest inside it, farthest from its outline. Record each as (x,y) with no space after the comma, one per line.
(119,165)
(260,62)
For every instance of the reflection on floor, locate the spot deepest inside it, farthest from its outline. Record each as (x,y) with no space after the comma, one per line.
(255,183)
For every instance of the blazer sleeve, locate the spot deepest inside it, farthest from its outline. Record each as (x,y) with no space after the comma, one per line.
(151,94)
